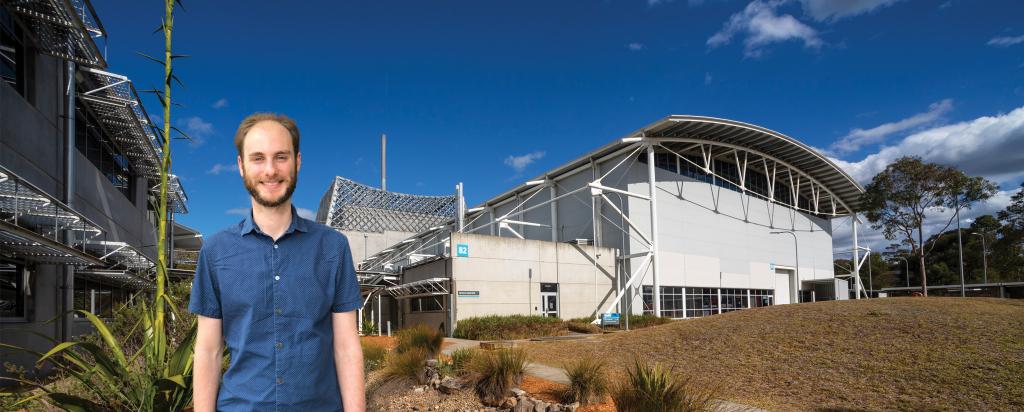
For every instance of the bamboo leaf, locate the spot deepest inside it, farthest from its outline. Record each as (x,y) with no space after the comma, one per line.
(181,360)
(108,338)
(74,403)
(158,61)
(180,56)
(56,349)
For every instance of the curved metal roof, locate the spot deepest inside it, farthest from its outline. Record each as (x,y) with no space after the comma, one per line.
(727,132)
(764,140)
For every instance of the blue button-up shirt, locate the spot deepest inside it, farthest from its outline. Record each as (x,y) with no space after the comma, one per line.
(275,299)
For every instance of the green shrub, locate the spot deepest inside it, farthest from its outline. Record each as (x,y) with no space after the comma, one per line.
(408,364)
(588,382)
(497,372)
(461,359)
(422,337)
(646,321)
(509,327)
(368,328)
(651,388)
(373,355)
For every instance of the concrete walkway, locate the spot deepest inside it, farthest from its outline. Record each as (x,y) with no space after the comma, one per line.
(554,374)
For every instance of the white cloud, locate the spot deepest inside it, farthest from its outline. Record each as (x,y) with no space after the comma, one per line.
(858,138)
(635,46)
(241,211)
(1006,41)
(305,213)
(222,167)
(197,129)
(707,78)
(762,26)
(990,146)
(220,103)
(520,163)
(833,10)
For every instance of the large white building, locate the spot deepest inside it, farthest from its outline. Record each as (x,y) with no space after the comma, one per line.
(716,215)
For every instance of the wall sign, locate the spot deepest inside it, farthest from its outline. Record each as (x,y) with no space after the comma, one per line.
(469,293)
(462,250)
(610,318)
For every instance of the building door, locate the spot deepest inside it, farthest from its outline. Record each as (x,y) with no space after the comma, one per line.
(783,286)
(549,299)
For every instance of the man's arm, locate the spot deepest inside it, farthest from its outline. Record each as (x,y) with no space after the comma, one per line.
(206,369)
(348,360)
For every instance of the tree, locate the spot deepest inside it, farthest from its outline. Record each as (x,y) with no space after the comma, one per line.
(1009,248)
(900,199)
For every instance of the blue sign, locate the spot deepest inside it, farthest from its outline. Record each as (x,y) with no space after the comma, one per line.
(469,293)
(462,250)
(609,319)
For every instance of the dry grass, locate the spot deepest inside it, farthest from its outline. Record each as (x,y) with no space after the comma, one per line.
(895,353)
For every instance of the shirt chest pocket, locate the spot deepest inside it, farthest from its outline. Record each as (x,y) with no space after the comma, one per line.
(307,288)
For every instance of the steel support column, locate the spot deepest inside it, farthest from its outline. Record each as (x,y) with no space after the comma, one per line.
(656,261)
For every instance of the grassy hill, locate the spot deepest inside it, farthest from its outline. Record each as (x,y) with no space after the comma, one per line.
(891,354)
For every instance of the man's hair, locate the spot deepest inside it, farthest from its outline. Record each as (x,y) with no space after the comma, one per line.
(255,118)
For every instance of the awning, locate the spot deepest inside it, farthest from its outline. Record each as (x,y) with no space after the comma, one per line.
(31,223)
(177,200)
(419,288)
(124,278)
(114,101)
(119,255)
(62,28)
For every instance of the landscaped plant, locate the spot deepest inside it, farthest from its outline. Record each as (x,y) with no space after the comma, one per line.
(646,321)
(368,328)
(497,372)
(374,355)
(651,387)
(588,381)
(508,327)
(408,364)
(461,359)
(422,337)
(156,376)
(582,325)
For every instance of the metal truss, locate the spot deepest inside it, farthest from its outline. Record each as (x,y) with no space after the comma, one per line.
(419,288)
(348,205)
(119,255)
(66,29)
(177,200)
(124,278)
(32,223)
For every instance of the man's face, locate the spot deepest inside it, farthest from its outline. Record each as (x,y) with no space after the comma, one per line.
(268,164)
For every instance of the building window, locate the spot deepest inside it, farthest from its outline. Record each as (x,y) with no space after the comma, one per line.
(701,302)
(671,301)
(734,299)
(97,298)
(426,304)
(12,53)
(102,153)
(12,291)
(761,297)
(666,161)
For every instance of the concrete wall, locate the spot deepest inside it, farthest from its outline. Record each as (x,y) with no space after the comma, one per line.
(499,268)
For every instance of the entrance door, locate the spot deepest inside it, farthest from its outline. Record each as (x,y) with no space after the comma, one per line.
(549,299)
(783,288)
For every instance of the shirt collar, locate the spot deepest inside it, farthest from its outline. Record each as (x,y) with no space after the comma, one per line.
(298,223)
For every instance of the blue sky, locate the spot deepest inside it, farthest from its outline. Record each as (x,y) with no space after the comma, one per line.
(492,93)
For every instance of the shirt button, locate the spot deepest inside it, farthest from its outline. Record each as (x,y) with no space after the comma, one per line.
(279,345)
(277,278)
(275,245)
(277,311)
(280,381)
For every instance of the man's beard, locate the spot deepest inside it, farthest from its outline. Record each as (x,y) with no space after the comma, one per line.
(250,185)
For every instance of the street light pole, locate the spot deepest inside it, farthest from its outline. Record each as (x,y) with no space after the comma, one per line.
(984,255)
(796,265)
(906,269)
(960,249)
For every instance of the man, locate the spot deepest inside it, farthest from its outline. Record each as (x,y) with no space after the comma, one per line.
(280,291)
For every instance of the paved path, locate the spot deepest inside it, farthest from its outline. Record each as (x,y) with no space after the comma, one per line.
(554,374)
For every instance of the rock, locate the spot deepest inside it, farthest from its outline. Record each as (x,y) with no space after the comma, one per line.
(518,392)
(449,386)
(508,403)
(524,405)
(431,363)
(540,406)
(435,382)
(572,407)
(554,408)
(418,389)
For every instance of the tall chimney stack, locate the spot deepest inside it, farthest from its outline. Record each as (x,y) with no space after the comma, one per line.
(383,162)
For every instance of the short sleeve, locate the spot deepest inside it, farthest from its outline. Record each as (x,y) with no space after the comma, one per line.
(205,296)
(346,286)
